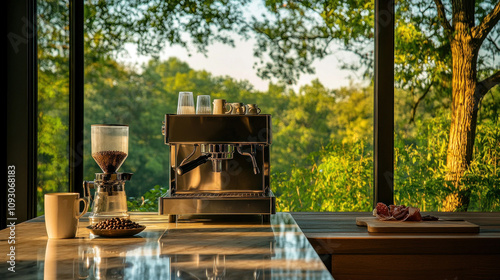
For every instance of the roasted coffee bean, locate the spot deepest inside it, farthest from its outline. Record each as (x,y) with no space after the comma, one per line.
(116,223)
(109,161)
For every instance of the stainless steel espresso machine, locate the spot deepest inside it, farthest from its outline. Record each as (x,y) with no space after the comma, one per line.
(219,165)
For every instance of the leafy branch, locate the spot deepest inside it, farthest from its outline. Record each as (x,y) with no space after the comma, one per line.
(485,85)
(448,29)
(415,106)
(481,31)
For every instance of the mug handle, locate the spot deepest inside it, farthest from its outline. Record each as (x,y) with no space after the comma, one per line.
(230,108)
(85,208)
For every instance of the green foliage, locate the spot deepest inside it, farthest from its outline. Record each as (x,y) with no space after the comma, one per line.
(315,117)
(53,138)
(420,168)
(340,179)
(148,202)
(52,163)
(302,129)
(294,34)
(149,24)
(340,176)
(482,178)
(420,163)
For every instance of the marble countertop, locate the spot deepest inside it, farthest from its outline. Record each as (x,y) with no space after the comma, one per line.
(188,249)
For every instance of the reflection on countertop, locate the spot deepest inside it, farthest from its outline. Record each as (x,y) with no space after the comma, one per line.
(189,249)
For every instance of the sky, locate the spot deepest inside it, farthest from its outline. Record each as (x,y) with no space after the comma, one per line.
(237,62)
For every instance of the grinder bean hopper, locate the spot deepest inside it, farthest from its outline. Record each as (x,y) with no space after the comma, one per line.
(109,150)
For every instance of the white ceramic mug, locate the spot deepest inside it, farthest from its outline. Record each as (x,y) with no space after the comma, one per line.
(62,214)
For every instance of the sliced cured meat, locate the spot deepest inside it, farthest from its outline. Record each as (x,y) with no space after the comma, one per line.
(385,218)
(382,209)
(382,213)
(391,208)
(399,212)
(413,214)
(396,213)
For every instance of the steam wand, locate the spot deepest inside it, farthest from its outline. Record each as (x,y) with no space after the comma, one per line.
(252,156)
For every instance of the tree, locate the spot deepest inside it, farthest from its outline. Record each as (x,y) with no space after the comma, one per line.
(470,31)
(466,39)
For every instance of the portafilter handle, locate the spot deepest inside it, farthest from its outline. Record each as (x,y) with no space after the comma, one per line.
(185,168)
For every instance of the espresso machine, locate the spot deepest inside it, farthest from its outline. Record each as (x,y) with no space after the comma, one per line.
(219,165)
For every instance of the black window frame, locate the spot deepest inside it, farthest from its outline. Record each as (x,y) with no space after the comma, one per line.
(20,109)
(383,125)
(21,97)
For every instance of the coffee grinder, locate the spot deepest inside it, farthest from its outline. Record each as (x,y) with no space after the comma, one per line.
(109,150)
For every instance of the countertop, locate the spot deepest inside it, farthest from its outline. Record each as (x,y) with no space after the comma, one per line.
(357,254)
(201,249)
(331,232)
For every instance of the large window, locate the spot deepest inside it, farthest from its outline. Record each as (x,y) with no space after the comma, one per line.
(285,56)
(321,158)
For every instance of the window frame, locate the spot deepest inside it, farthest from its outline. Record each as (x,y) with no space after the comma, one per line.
(383,123)
(20,107)
(76,95)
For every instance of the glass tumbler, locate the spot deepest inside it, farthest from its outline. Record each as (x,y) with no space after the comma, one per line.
(185,103)
(203,105)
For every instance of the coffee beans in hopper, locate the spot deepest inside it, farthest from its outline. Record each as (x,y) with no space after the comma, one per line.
(116,223)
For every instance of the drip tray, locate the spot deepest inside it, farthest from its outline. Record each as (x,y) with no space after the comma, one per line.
(217,195)
(217,204)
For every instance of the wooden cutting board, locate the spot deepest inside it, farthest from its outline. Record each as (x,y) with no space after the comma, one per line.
(439,226)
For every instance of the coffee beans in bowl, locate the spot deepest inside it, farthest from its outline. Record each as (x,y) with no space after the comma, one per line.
(116,227)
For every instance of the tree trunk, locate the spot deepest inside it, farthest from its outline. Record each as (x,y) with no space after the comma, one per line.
(464,102)
(464,110)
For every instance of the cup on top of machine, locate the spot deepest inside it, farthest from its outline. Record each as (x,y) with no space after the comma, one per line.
(252,109)
(203,105)
(185,103)
(237,109)
(220,107)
